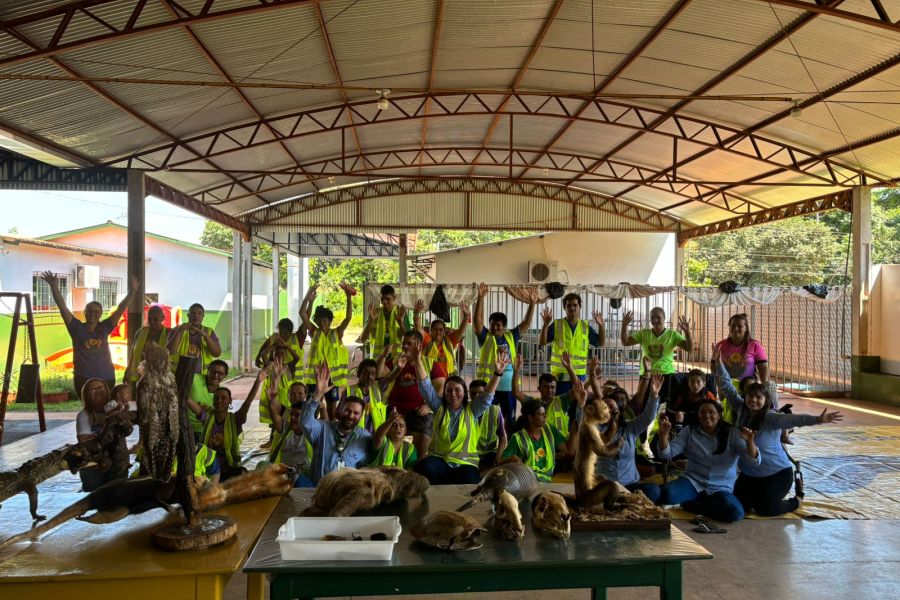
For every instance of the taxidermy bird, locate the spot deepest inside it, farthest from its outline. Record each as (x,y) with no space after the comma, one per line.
(157,401)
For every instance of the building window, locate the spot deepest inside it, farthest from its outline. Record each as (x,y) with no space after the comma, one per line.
(42,298)
(107,292)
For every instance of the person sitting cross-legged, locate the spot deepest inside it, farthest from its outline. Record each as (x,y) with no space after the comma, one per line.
(289,445)
(390,444)
(535,442)
(453,453)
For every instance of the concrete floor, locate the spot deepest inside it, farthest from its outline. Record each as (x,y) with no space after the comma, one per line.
(773,559)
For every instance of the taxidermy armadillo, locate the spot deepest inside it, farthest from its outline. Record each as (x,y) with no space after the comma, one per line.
(515,478)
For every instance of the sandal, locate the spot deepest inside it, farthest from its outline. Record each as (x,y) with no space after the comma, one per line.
(707,527)
(798,483)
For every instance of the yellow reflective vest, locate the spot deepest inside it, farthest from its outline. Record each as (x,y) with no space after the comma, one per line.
(388,456)
(524,441)
(326,348)
(462,449)
(488,358)
(574,342)
(184,349)
(385,326)
(137,352)
(432,351)
(374,407)
(490,422)
(556,414)
(232,442)
(284,385)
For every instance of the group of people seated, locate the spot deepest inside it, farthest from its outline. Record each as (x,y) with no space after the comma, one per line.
(410,408)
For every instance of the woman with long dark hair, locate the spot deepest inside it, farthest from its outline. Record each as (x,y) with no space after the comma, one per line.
(713,449)
(763,487)
(535,442)
(741,355)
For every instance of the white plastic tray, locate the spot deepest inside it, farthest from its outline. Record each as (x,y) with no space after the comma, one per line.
(300,538)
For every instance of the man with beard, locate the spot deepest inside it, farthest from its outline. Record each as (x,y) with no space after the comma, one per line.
(336,444)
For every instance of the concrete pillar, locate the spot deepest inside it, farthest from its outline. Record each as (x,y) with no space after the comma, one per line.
(297,284)
(236,286)
(246,305)
(860,322)
(276,286)
(136,252)
(401,258)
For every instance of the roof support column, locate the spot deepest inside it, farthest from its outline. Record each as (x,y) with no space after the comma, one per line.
(860,322)
(276,286)
(237,272)
(246,305)
(401,259)
(136,252)
(297,284)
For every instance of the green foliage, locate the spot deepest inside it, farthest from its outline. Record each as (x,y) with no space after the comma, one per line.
(329,272)
(434,240)
(55,407)
(55,381)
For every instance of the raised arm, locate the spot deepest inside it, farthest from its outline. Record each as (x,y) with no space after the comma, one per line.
(685,326)
(123,305)
(276,369)
(64,311)
(531,296)
(312,426)
(594,375)
(483,401)
(726,388)
(348,315)
(517,392)
(373,311)
(624,336)
(418,309)
(547,318)
(381,432)
(601,327)
(478,316)
(642,422)
(306,308)
(751,453)
(464,318)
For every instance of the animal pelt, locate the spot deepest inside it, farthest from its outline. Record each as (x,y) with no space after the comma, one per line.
(157,401)
(507,518)
(27,477)
(275,480)
(592,489)
(347,491)
(634,506)
(448,530)
(550,515)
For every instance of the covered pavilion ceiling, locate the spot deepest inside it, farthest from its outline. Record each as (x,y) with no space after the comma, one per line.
(568,114)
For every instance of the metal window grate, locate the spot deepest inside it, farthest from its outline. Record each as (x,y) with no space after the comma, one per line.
(108,291)
(42,298)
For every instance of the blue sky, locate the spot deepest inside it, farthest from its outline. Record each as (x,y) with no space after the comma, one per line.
(37,213)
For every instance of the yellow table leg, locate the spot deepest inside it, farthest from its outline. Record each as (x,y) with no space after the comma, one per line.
(256,586)
(210,587)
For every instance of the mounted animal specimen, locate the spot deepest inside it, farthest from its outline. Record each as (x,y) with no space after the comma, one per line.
(550,515)
(507,518)
(345,492)
(448,530)
(592,489)
(27,477)
(515,478)
(157,401)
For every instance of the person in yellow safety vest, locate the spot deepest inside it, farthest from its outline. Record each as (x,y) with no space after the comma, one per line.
(401,391)
(290,446)
(537,442)
(154,332)
(572,335)
(369,390)
(439,346)
(203,389)
(194,340)
(499,340)
(386,325)
(205,464)
(390,446)
(493,438)
(453,454)
(558,405)
(275,386)
(326,345)
(222,429)
(285,338)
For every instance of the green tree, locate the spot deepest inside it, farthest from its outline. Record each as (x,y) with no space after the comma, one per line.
(216,235)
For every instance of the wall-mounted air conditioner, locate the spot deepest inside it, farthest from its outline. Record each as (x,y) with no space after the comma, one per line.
(87,276)
(542,271)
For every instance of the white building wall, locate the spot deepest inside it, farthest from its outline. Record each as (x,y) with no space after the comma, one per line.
(608,257)
(885,313)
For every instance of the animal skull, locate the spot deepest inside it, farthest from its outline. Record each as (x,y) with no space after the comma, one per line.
(550,515)
(448,530)
(507,518)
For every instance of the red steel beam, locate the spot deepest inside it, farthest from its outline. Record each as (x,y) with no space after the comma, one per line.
(156,188)
(632,56)
(748,58)
(208,13)
(535,46)
(883,21)
(435,43)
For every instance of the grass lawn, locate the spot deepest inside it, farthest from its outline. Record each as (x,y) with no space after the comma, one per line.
(70,406)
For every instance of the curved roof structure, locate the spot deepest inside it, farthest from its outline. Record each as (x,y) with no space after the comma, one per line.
(559,114)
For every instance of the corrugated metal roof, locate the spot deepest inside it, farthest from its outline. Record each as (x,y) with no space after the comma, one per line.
(481,45)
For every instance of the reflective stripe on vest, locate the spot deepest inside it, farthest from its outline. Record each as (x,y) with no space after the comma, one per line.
(388,457)
(557,416)
(137,353)
(232,443)
(184,347)
(461,450)
(384,325)
(206,456)
(326,349)
(284,385)
(488,438)
(488,358)
(374,406)
(574,342)
(431,352)
(525,441)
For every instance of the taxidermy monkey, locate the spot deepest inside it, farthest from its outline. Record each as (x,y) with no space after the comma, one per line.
(591,489)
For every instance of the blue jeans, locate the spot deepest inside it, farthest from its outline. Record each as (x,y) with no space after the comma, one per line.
(651,490)
(507,403)
(303,481)
(721,506)
(439,472)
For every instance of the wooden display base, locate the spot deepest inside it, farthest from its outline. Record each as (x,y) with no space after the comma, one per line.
(213,529)
(633,512)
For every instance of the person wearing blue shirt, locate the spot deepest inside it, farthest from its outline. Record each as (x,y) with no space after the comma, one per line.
(336,444)
(498,340)
(762,488)
(713,449)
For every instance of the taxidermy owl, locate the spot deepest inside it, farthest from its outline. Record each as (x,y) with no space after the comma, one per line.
(157,402)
